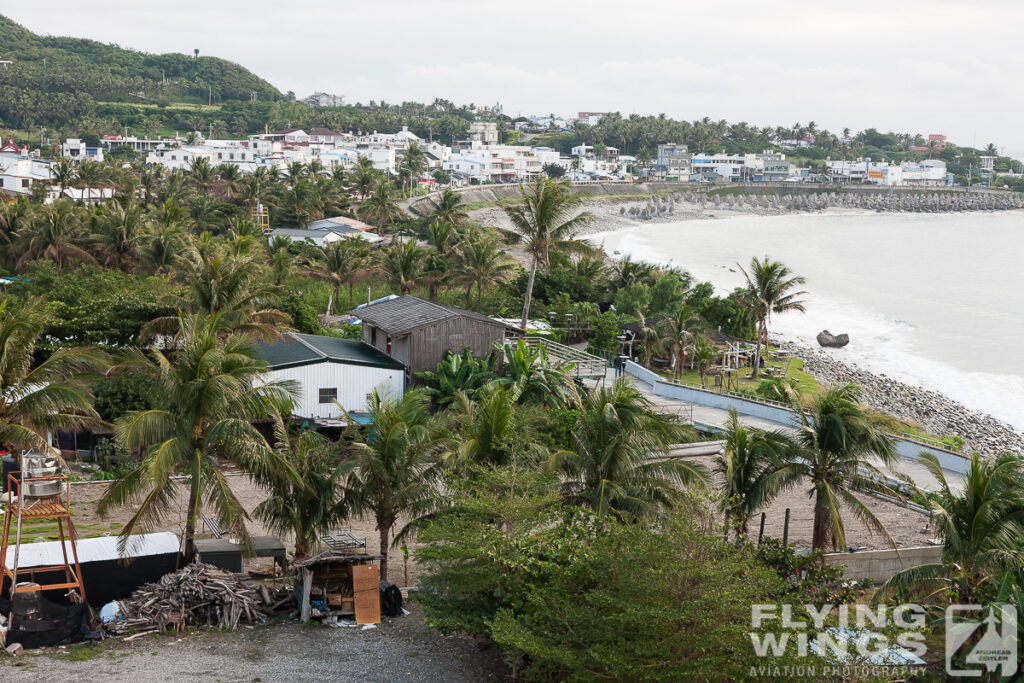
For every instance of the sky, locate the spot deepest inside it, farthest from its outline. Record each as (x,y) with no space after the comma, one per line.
(906,65)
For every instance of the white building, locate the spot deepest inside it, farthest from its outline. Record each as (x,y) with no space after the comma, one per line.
(73,148)
(927,172)
(19,177)
(323,99)
(733,167)
(331,371)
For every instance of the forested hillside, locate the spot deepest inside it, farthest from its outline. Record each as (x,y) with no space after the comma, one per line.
(55,80)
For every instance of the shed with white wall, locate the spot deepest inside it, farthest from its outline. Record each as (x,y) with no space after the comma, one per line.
(329,369)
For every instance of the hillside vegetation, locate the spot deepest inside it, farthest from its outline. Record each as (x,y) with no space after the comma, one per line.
(56,80)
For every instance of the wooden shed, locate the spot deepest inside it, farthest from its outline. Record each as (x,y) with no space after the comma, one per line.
(417,332)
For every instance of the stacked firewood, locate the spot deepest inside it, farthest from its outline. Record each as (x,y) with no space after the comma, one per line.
(196,595)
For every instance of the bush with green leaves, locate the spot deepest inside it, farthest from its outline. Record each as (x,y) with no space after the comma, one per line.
(808,578)
(570,596)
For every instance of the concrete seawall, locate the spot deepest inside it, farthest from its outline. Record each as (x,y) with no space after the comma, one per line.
(880,565)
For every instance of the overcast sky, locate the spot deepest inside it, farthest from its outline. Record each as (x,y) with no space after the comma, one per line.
(904,65)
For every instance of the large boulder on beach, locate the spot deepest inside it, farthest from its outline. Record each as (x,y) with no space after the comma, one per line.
(834,341)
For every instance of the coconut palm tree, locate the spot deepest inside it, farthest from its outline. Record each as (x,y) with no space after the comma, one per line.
(15,219)
(678,333)
(63,173)
(310,503)
(838,441)
(162,245)
(363,177)
(492,429)
(981,526)
(211,392)
(382,205)
(394,473)
(535,379)
(481,261)
(770,289)
(230,289)
(343,262)
(750,468)
(202,175)
(38,398)
(546,220)
(448,208)
(55,235)
(618,461)
(704,356)
(120,233)
(402,263)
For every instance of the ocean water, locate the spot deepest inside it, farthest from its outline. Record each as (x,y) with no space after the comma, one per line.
(935,300)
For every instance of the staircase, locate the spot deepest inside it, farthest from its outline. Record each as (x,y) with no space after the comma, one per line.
(584,364)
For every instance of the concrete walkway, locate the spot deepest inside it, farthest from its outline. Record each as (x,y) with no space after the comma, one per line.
(716,419)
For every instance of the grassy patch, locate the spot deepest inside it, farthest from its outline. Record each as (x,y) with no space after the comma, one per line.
(82,652)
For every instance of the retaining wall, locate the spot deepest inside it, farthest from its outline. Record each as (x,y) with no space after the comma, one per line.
(880,565)
(779,413)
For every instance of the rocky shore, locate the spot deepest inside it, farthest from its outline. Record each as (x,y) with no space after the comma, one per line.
(935,412)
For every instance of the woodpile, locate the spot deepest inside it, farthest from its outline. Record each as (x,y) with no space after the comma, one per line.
(197,594)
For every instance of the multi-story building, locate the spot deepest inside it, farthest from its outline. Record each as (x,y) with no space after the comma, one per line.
(484,132)
(673,160)
(323,99)
(928,172)
(73,148)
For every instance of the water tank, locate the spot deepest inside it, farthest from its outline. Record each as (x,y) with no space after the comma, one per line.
(39,467)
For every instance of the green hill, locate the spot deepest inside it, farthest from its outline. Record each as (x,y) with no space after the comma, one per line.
(55,81)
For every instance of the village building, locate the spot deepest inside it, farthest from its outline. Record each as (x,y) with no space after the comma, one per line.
(332,373)
(417,332)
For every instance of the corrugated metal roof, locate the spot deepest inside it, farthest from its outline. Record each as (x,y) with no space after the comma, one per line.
(408,313)
(295,349)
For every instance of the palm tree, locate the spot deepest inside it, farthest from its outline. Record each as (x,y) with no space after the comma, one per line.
(202,175)
(751,471)
(281,258)
(310,503)
(211,391)
(402,263)
(342,262)
(230,289)
(980,525)
(704,355)
(448,208)
(492,429)
(544,222)
(62,173)
(382,205)
(120,233)
(678,334)
(364,175)
(394,472)
(770,286)
(838,439)
(56,235)
(162,245)
(15,219)
(618,462)
(535,379)
(39,398)
(481,261)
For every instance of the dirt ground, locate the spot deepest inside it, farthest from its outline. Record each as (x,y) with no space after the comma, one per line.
(85,494)
(400,649)
(907,527)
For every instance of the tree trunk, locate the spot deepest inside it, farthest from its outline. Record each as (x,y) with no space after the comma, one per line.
(757,354)
(384,530)
(529,293)
(479,294)
(190,521)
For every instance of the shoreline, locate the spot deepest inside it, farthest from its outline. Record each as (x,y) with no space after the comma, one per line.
(935,412)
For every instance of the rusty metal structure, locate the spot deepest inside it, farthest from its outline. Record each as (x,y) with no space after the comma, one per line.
(41,492)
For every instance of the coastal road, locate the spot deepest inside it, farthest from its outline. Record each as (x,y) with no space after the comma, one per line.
(717,419)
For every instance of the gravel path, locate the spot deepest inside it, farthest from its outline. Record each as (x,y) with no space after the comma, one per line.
(402,649)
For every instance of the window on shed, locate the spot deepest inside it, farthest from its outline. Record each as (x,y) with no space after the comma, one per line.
(327,395)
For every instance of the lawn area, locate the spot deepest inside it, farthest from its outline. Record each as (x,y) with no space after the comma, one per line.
(807,385)
(177,106)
